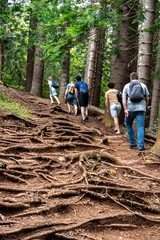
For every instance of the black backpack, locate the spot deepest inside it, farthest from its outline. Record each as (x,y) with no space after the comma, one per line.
(136,93)
(54,84)
(119,97)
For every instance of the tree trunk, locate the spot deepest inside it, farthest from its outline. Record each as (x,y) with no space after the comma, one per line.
(2,47)
(94,63)
(156,92)
(145,42)
(115,36)
(98,70)
(38,68)
(91,58)
(124,60)
(3,19)
(30,56)
(156,147)
(64,76)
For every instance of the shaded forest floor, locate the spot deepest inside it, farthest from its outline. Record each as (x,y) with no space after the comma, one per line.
(68,180)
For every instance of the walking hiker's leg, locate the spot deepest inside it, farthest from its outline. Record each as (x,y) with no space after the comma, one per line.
(51,98)
(140,118)
(69,108)
(116,123)
(75,109)
(128,123)
(82,113)
(86,110)
(57,99)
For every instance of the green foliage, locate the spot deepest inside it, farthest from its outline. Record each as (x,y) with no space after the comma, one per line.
(7,104)
(93,160)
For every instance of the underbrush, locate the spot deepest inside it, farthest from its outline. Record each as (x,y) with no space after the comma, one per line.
(6,103)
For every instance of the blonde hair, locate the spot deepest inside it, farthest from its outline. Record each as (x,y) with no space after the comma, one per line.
(50,78)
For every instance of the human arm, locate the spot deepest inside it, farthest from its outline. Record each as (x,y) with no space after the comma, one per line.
(124,101)
(147,100)
(66,92)
(107,103)
(76,92)
(50,88)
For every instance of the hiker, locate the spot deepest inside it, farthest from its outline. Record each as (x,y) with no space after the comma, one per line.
(113,105)
(81,90)
(135,100)
(53,92)
(70,96)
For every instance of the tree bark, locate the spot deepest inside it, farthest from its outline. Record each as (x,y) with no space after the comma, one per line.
(2,52)
(98,70)
(156,92)
(115,35)
(38,68)
(64,76)
(91,57)
(4,8)
(124,61)
(30,56)
(145,42)
(94,63)
(156,147)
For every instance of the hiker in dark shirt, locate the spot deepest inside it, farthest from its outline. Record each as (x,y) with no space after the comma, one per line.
(135,107)
(81,90)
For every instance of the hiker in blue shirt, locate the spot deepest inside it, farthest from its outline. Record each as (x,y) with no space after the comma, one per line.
(70,96)
(53,92)
(135,100)
(81,90)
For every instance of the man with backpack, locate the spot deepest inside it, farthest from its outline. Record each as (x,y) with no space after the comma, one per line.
(135,101)
(70,96)
(81,90)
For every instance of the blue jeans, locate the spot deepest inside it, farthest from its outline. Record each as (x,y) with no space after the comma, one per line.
(140,117)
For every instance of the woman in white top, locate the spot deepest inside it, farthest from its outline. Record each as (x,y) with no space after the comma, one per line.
(53,92)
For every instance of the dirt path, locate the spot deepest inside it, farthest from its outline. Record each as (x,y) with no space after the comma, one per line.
(68,180)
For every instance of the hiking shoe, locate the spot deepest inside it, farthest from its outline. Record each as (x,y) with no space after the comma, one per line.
(69,112)
(82,121)
(142,149)
(75,114)
(86,117)
(133,146)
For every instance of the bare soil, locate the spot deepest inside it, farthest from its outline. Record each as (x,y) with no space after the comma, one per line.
(68,180)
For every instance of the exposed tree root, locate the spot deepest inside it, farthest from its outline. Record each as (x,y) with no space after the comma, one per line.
(15,178)
(13,205)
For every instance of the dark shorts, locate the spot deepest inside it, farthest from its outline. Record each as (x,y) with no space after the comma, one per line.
(83,100)
(72,100)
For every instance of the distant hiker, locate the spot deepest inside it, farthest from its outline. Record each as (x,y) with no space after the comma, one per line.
(52,89)
(81,90)
(71,98)
(135,101)
(113,105)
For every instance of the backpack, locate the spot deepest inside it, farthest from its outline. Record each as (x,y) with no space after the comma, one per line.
(119,97)
(83,88)
(54,84)
(136,93)
(71,89)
